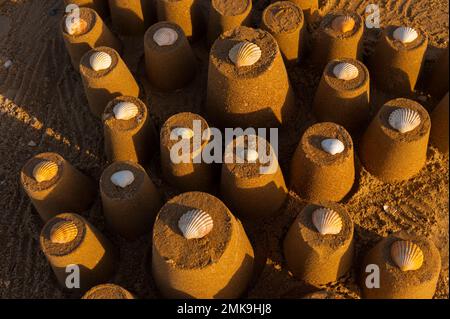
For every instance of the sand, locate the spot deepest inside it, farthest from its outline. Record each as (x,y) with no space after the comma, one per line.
(43,108)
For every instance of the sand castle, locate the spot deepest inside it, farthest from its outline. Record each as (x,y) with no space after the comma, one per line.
(409,268)
(285,21)
(439,125)
(131,17)
(248,84)
(319,245)
(105,76)
(200,250)
(130,135)
(100,6)
(323,168)
(67,240)
(394,147)
(397,61)
(54,185)
(129,194)
(108,291)
(184,13)
(343,96)
(438,85)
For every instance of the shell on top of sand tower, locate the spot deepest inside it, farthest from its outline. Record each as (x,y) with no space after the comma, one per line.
(165,36)
(332,146)
(100,61)
(195,224)
(345,71)
(75,25)
(123,178)
(343,24)
(404,120)
(327,221)
(245,54)
(45,171)
(407,255)
(125,111)
(63,232)
(405,34)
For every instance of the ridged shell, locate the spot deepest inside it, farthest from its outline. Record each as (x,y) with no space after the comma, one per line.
(405,34)
(250,155)
(332,146)
(100,61)
(74,25)
(343,24)
(122,178)
(165,36)
(245,54)
(184,132)
(63,232)
(45,171)
(125,111)
(345,71)
(406,255)
(404,120)
(195,224)
(327,221)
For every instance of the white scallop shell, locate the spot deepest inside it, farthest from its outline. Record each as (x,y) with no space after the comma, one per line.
(404,120)
(165,36)
(406,255)
(122,178)
(125,111)
(405,34)
(63,232)
(250,155)
(327,221)
(343,24)
(195,224)
(245,54)
(346,71)
(74,25)
(332,146)
(100,61)
(45,171)
(183,132)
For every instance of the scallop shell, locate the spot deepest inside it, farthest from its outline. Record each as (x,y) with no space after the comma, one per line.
(245,54)
(327,221)
(406,255)
(404,120)
(405,34)
(122,178)
(184,132)
(345,71)
(100,61)
(63,232)
(250,155)
(74,25)
(125,111)
(332,146)
(45,171)
(343,24)
(165,36)
(195,224)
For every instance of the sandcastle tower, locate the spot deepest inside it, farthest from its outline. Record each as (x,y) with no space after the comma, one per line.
(340,35)
(343,96)
(54,185)
(129,132)
(285,21)
(252,182)
(319,245)
(439,79)
(84,33)
(68,241)
(183,139)
(248,84)
(185,13)
(310,7)
(227,15)
(100,6)
(108,291)
(200,250)
(323,166)
(170,61)
(131,17)
(105,76)
(409,268)
(130,199)
(439,126)
(394,147)
(323,294)
(396,63)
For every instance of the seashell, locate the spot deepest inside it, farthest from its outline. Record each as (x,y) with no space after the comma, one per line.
(332,146)
(122,178)
(250,155)
(405,34)
(406,255)
(345,71)
(327,221)
(63,232)
(183,132)
(245,54)
(125,111)
(343,24)
(165,36)
(45,171)
(75,25)
(195,224)
(100,61)
(404,120)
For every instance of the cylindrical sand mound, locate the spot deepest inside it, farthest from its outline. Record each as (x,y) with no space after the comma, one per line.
(439,126)
(108,291)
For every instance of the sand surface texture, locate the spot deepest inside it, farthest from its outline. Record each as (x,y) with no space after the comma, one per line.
(43,108)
